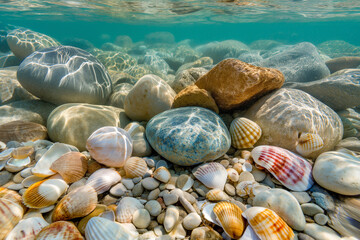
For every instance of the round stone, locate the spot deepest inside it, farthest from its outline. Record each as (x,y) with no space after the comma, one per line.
(170,199)
(150,183)
(311,209)
(321,219)
(141,218)
(153,207)
(191,221)
(188,136)
(65,75)
(302,197)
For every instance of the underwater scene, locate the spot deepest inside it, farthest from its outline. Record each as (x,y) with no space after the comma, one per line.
(168,119)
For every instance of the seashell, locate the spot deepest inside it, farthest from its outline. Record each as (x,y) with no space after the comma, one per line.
(247,167)
(126,208)
(102,179)
(249,234)
(212,175)
(229,216)
(2,146)
(293,171)
(16,165)
(44,193)
(27,182)
(11,196)
(244,133)
(93,166)
(72,166)
(59,231)
(309,143)
(110,146)
(245,188)
(78,203)
(135,167)
(216,195)
(22,152)
(22,131)
(208,213)
(27,229)
(6,154)
(162,174)
(97,211)
(42,167)
(233,175)
(108,214)
(11,214)
(267,224)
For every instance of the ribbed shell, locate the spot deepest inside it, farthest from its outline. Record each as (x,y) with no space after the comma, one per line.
(293,171)
(162,174)
(27,229)
(216,195)
(72,166)
(267,224)
(10,195)
(212,175)
(78,203)
(135,167)
(44,193)
(102,179)
(229,216)
(309,143)
(244,133)
(30,180)
(10,214)
(97,211)
(126,208)
(60,230)
(110,146)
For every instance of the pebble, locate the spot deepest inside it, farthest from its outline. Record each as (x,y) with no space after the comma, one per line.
(21,191)
(178,232)
(13,144)
(150,183)
(303,236)
(18,178)
(39,153)
(200,188)
(189,197)
(186,204)
(259,176)
(191,221)
(128,183)
(137,190)
(164,192)
(230,189)
(141,218)
(26,172)
(5,177)
(324,200)
(205,233)
(225,163)
(171,218)
(153,224)
(118,190)
(170,199)
(153,207)
(171,183)
(150,162)
(246,176)
(108,200)
(137,180)
(301,197)
(321,219)
(320,232)
(311,209)
(15,186)
(267,181)
(162,163)
(159,230)
(160,218)
(153,194)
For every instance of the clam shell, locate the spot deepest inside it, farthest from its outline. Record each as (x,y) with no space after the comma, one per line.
(249,234)
(293,171)
(216,195)
(162,174)
(309,143)
(208,213)
(244,133)
(16,165)
(102,179)
(267,224)
(44,193)
(6,154)
(22,152)
(135,167)
(229,216)
(72,166)
(22,131)
(233,175)
(97,211)
(59,231)
(27,229)
(30,180)
(42,167)
(77,203)
(212,175)
(126,208)
(11,214)
(110,146)
(10,195)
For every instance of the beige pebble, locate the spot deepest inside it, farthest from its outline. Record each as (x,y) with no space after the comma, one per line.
(184,182)
(153,207)
(153,224)
(245,154)
(18,178)
(171,217)
(320,232)
(230,189)
(186,204)
(321,219)
(162,174)
(178,232)
(246,176)
(238,167)
(171,184)
(191,221)
(159,230)
(153,194)
(141,218)
(160,218)
(225,163)
(108,200)
(205,233)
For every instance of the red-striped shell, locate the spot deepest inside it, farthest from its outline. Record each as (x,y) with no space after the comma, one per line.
(293,171)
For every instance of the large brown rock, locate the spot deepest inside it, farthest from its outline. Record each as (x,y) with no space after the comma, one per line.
(233,83)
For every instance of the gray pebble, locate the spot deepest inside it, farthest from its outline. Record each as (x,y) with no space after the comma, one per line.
(268,182)
(26,172)
(137,190)
(303,236)
(150,162)
(128,183)
(200,188)
(5,177)
(302,197)
(15,186)
(258,175)
(153,207)
(321,219)
(161,163)
(153,194)
(164,192)
(170,199)
(325,201)
(311,209)
(137,179)
(118,190)
(150,183)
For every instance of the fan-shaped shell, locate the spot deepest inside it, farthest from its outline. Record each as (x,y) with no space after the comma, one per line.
(216,195)
(162,174)
(267,224)
(135,167)
(293,171)
(16,165)
(97,211)
(44,193)
(110,146)
(244,133)
(59,231)
(126,208)
(22,131)
(72,166)
(102,179)
(208,213)
(11,214)
(229,216)
(27,229)
(309,143)
(212,175)
(10,195)
(78,203)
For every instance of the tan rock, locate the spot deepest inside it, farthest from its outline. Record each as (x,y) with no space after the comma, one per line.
(340,63)
(22,131)
(232,83)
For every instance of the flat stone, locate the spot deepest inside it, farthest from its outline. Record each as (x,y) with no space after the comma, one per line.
(5,177)
(150,183)
(311,209)
(22,131)
(128,183)
(301,197)
(340,63)
(303,236)
(170,199)
(137,190)
(118,190)
(153,194)
(320,232)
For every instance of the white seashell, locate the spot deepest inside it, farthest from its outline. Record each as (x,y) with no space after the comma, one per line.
(102,179)
(126,208)
(309,143)
(233,175)
(212,175)
(247,167)
(109,215)
(6,154)
(27,182)
(16,165)
(27,229)
(249,234)
(245,188)
(162,174)
(208,213)
(244,133)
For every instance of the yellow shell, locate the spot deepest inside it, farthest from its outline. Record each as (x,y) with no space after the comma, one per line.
(309,143)
(216,195)
(135,167)
(59,231)
(72,166)
(244,133)
(162,174)
(99,209)
(22,152)
(267,224)
(229,216)
(11,214)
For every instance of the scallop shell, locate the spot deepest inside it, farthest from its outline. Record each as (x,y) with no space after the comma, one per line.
(126,208)
(244,133)
(309,143)
(267,224)
(162,174)
(135,167)
(44,193)
(229,216)
(30,180)
(16,165)
(110,146)
(77,203)
(11,214)
(42,167)
(212,175)
(22,131)
(27,229)
(216,195)
(59,231)
(102,179)
(11,196)
(72,166)
(293,171)
(97,211)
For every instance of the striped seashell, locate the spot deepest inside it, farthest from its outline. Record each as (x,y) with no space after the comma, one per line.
(27,229)
(59,231)
(72,166)
(22,152)
(11,214)
(229,216)
(100,208)
(212,175)
(162,174)
(110,146)
(293,171)
(267,224)
(309,143)
(135,167)
(102,179)
(44,193)
(11,196)
(16,165)
(126,208)
(216,195)
(78,203)
(244,133)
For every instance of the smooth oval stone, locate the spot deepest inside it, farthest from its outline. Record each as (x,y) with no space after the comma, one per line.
(22,131)
(188,136)
(338,172)
(65,75)
(320,232)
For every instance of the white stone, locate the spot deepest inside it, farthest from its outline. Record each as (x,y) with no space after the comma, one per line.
(191,221)
(171,218)
(320,232)
(141,218)
(153,207)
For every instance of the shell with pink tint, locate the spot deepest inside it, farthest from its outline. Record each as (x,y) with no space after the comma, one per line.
(11,214)
(293,171)
(309,143)
(27,229)
(59,231)
(102,179)
(212,175)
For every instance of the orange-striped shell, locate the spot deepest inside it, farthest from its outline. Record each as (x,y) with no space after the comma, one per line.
(59,231)
(309,143)
(11,214)
(72,166)
(244,133)
(216,195)
(267,224)
(135,167)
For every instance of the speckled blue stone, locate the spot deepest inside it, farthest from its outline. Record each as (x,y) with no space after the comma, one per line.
(188,136)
